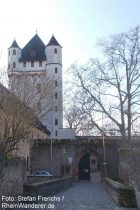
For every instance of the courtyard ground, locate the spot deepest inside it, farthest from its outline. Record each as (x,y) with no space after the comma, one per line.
(86,195)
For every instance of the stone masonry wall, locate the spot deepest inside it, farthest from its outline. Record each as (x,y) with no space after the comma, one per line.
(14,178)
(47,188)
(41,158)
(129,167)
(62,151)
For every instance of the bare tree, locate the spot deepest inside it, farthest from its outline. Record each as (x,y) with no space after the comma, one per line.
(3,76)
(27,102)
(21,108)
(112,86)
(15,118)
(16,121)
(74,118)
(36,92)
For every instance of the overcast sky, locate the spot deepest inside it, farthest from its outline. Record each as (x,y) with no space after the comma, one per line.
(76,24)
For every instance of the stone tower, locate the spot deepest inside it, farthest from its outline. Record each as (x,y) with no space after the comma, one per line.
(14,53)
(42,67)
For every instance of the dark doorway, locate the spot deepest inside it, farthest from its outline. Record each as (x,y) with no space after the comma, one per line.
(84,167)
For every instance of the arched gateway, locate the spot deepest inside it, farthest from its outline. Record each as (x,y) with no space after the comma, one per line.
(76,158)
(84,167)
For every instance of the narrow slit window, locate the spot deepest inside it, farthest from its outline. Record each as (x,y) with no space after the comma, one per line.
(56,95)
(56,133)
(14,65)
(56,83)
(32,64)
(55,50)
(56,121)
(24,64)
(56,70)
(40,63)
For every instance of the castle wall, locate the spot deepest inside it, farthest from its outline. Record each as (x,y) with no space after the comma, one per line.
(14,176)
(55,159)
(129,167)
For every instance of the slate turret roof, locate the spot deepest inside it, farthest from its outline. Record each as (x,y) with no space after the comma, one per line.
(34,50)
(53,42)
(14,45)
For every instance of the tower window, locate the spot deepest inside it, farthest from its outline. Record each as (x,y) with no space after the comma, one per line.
(56,121)
(56,83)
(56,95)
(14,52)
(56,70)
(55,50)
(14,65)
(56,133)
(32,64)
(40,63)
(8,65)
(9,52)
(24,64)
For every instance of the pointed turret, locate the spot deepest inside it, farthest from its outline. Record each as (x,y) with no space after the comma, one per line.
(14,45)
(14,53)
(54,51)
(53,42)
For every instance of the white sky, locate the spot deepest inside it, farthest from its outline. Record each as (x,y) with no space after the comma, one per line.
(76,24)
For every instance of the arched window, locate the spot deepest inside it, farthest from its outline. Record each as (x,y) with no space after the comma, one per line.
(14,52)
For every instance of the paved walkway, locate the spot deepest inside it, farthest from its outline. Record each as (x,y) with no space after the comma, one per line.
(82,195)
(86,196)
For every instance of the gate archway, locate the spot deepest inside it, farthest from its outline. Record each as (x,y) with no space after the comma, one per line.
(84,167)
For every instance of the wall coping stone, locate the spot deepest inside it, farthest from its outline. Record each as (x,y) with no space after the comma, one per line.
(48,181)
(122,194)
(47,188)
(117,185)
